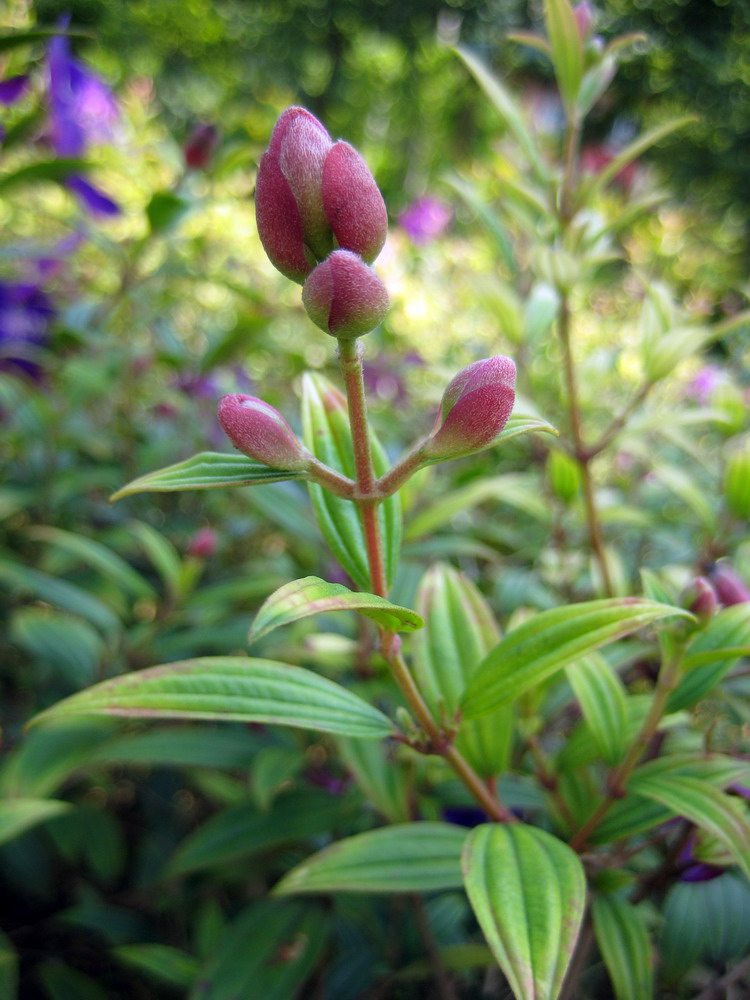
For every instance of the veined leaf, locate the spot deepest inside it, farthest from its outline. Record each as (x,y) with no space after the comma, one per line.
(313,596)
(206,471)
(714,651)
(17,815)
(625,946)
(327,435)
(603,700)
(528,891)
(409,857)
(566,46)
(551,640)
(230,689)
(380,778)
(702,804)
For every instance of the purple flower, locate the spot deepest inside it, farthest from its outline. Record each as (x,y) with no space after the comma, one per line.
(26,315)
(95,201)
(705,384)
(425,219)
(12,89)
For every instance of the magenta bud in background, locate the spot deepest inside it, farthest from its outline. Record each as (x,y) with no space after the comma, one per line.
(699,597)
(344,297)
(729,588)
(312,195)
(200,146)
(476,406)
(584,15)
(203,543)
(261,432)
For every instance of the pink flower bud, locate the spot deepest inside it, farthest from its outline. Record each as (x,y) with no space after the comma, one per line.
(201,146)
(344,297)
(730,589)
(261,432)
(584,15)
(475,407)
(699,597)
(203,543)
(313,194)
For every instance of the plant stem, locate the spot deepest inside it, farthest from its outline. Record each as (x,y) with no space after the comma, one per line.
(350,359)
(592,515)
(668,677)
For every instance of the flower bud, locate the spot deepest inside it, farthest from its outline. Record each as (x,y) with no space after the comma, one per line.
(344,297)
(261,432)
(203,543)
(584,15)
(201,146)
(730,589)
(699,597)
(737,482)
(313,194)
(476,406)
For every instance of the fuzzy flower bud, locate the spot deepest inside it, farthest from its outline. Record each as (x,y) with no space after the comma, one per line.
(201,146)
(344,297)
(313,194)
(261,432)
(699,597)
(476,406)
(730,589)
(203,543)
(584,15)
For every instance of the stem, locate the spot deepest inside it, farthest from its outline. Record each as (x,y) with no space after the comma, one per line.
(395,478)
(350,359)
(668,677)
(333,481)
(581,453)
(619,422)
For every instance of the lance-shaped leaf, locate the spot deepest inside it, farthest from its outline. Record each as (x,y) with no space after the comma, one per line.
(549,641)
(460,631)
(206,471)
(409,857)
(625,946)
(327,435)
(528,891)
(17,815)
(230,689)
(313,596)
(704,805)
(634,149)
(603,700)
(566,47)
(515,427)
(714,651)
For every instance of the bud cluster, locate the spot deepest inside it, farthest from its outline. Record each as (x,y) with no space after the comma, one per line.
(322,221)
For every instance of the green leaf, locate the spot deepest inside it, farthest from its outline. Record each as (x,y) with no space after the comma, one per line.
(704,805)
(267,952)
(567,48)
(8,969)
(241,831)
(636,148)
(528,891)
(160,962)
(161,552)
(208,470)
(60,593)
(16,38)
(165,210)
(551,640)
(713,652)
(61,982)
(489,219)
(62,644)
(44,170)
(379,777)
(506,106)
(603,700)
(460,631)
(410,857)
(625,946)
(275,767)
(18,815)
(313,596)
(327,435)
(230,689)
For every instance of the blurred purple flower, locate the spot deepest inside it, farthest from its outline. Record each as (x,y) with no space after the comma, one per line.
(82,110)
(26,315)
(12,89)
(695,870)
(425,219)
(198,386)
(705,384)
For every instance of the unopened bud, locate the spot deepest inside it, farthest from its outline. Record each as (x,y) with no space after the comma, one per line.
(203,543)
(313,194)
(730,589)
(201,146)
(737,482)
(476,406)
(699,597)
(261,432)
(344,297)
(584,15)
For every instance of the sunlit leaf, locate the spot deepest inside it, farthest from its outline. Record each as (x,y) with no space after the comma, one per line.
(528,891)
(410,857)
(624,942)
(603,700)
(229,689)
(313,596)
(566,47)
(551,640)
(17,815)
